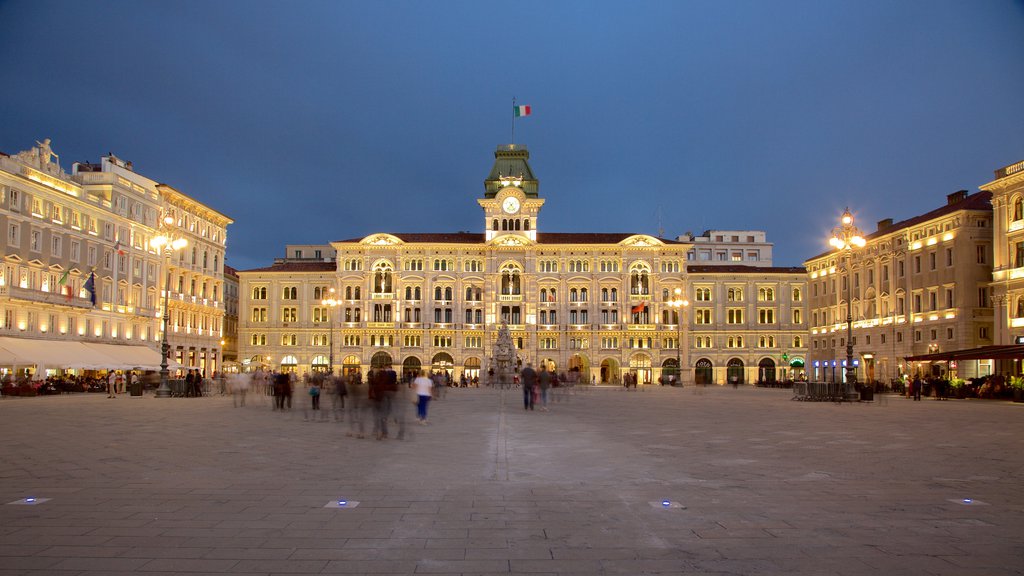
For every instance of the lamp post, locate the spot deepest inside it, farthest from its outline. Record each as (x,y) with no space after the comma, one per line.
(679,304)
(331,303)
(845,238)
(166,243)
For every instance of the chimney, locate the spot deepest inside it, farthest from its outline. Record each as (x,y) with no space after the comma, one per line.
(884,224)
(955,197)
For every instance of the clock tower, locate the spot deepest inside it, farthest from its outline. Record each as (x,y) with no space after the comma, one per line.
(510,203)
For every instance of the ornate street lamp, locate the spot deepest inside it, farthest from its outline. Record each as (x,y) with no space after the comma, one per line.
(679,304)
(331,303)
(845,238)
(166,243)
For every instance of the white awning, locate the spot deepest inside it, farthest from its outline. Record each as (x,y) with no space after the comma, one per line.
(84,355)
(132,357)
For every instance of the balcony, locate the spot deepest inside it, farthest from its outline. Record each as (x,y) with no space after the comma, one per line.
(54,298)
(510,298)
(382,296)
(639,297)
(642,327)
(380,324)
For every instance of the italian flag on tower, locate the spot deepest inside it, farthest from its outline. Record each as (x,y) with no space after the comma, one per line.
(519,111)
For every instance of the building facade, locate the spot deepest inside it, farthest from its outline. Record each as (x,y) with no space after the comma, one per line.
(1008,252)
(78,259)
(729,248)
(918,286)
(597,304)
(197,302)
(230,338)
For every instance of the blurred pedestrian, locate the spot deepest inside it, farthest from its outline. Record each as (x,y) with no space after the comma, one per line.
(357,402)
(544,384)
(528,377)
(112,384)
(423,387)
(239,388)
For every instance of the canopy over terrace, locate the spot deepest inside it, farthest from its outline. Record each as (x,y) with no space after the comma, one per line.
(998,352)
(70,354)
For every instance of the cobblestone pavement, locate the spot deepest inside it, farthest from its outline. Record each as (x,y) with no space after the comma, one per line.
(756,484)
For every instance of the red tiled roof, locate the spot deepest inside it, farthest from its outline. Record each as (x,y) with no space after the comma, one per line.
(542,238)
(744,269)
(978,201)
(228,270)
(297,267)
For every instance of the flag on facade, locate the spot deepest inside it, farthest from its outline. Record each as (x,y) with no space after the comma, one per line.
(117,247)
(519,111)
(551,297)
(639,307)
(63,281)
(90,287)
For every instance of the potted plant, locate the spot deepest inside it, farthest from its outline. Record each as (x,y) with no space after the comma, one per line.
(1017,384)
(958,387)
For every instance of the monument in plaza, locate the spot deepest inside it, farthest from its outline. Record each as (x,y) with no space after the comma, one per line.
(504,357)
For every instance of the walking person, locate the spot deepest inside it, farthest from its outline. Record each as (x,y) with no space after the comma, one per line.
(112,384)
(544,383)
(356,405)
(338,398)
(378,400)
(239,388)
(529,380)
(440,390)
(915,387)
(281,384)
(314,395)
(423,387)
(396,400)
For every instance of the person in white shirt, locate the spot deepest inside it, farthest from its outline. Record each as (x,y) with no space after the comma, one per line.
(423,387)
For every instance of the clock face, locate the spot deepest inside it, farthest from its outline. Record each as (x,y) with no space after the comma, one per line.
(510,205)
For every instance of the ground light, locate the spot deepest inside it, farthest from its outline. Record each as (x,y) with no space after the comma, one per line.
(342,503)
(28,501)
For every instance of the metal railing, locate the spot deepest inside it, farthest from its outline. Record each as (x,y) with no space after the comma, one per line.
(823,392)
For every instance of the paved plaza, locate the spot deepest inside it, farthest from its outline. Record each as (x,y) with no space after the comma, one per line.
(756,484)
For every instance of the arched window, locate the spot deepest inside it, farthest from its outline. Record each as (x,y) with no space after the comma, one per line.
(382,276)
(639,278)
(583,294)
(511,282)
(448,293)
(494,225)
(526,224)
(1018,208)
(518,225)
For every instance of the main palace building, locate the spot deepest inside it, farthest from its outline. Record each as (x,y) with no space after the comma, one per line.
(602,303)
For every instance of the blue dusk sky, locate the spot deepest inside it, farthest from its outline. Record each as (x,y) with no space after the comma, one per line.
(311,121)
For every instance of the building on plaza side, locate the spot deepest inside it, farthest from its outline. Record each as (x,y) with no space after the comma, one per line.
(917,287)
(597,304)
(229,341)
(729,247)
(63,230)
(1008,253)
